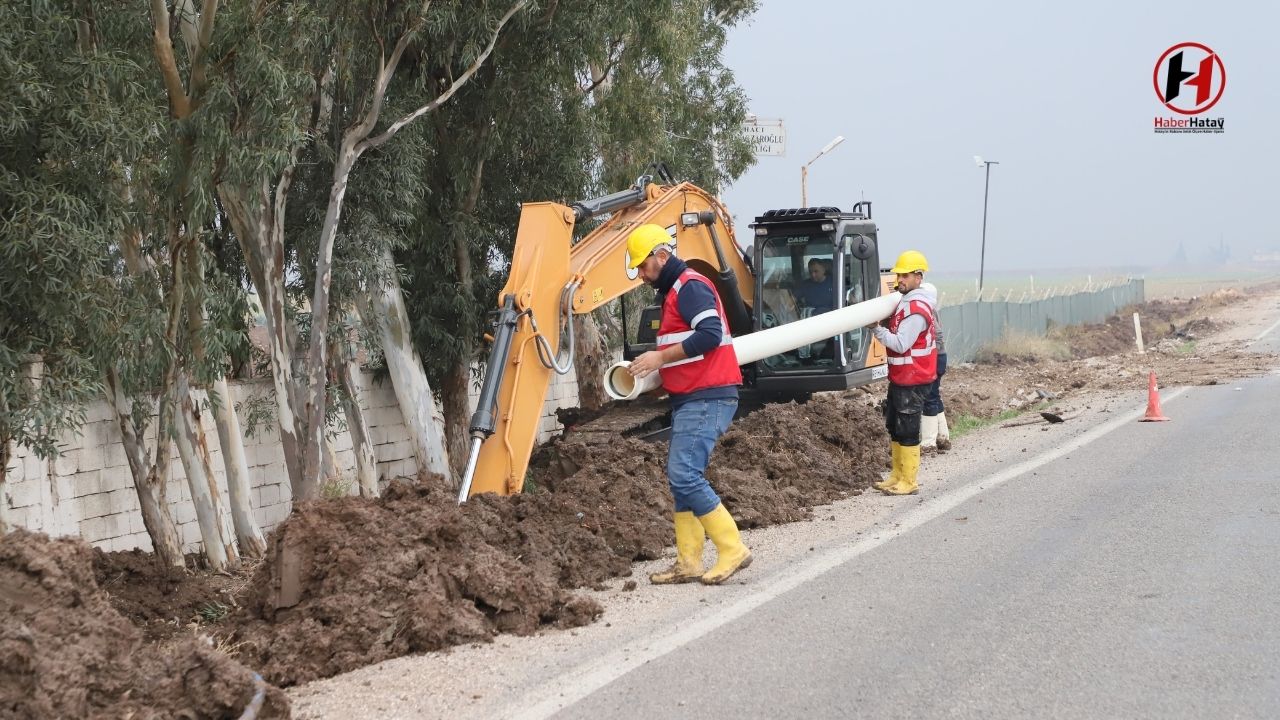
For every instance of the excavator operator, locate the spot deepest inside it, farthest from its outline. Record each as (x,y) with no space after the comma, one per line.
(699,371)
(816,290)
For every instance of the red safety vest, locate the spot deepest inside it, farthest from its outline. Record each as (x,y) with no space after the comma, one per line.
(919,364)
(717,368)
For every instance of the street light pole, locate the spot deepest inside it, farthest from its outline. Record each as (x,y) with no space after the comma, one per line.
(982,258)
(804,170)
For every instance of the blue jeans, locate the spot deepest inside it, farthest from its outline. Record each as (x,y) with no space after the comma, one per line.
(933,396)
(695,427)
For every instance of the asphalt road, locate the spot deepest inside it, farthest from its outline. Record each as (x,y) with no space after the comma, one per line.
(1136,576)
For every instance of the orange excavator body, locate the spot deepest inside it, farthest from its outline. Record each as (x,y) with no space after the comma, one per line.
(546,262)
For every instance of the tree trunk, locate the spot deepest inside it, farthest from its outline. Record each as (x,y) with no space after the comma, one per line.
(248,534)
(385,311)
(6,452)
(345,369)
(591,358)
(150,484)
(257,218)
(317,364)
(30,377)
(330,468)
(455,397)
(215,526)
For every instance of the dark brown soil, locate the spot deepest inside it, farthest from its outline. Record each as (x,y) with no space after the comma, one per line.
(164,601)
(352,582)
(778,463)
(64,652)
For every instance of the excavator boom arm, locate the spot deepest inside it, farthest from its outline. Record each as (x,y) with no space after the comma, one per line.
(552,279)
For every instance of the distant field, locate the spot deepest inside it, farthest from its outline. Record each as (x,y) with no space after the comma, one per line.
(1161,285)
(1017,287)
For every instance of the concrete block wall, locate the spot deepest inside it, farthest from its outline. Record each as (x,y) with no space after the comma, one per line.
(562,393)
(88,490)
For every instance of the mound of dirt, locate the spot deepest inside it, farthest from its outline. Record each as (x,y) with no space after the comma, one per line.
(782,460)
(162,601)
(1159,318)
(64,652)
(352,582)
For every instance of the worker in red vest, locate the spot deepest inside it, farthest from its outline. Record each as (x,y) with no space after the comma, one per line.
(700,373)
(908,337)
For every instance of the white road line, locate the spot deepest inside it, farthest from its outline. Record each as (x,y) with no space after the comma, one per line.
(587,678)
(1267,331)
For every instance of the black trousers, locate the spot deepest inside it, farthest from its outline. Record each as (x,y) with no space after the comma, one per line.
(902,413)
(933,397)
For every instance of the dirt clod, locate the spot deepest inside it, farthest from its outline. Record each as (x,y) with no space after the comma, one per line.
(65,652)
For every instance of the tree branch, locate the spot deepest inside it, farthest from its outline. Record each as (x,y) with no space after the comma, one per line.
(162,47)
(187,24)
(199,63)
(385,73)
(206,23)
(599,76)
(448,93)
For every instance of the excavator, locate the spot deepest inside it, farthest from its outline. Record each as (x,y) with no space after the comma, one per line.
(796,258)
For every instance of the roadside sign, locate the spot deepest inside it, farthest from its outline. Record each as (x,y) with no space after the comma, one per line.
(766,135)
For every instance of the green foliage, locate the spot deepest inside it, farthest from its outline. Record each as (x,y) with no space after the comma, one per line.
(98,166)
(69,129)
(534,126)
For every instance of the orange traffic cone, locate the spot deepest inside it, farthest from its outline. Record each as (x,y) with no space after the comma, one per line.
(1154,414)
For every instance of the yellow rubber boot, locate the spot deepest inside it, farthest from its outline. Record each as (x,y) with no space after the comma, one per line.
(896,474)
(690,539)
(907,485)
(731,554)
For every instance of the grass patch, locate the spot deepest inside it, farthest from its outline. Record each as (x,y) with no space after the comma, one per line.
(1186,348)
(966,424)
(1023,348)
(333,488)
(213,611)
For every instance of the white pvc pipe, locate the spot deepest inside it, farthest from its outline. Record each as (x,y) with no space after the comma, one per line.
(620,385)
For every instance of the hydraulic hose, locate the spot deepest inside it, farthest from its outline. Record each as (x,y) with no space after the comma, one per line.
(545,356)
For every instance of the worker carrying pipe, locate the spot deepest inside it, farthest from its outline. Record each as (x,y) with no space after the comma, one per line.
(909,341)
(696,364)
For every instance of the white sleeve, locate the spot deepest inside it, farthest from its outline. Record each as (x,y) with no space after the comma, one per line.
(908,332)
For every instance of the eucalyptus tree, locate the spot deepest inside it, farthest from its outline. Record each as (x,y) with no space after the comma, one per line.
(579,99)
(350,86)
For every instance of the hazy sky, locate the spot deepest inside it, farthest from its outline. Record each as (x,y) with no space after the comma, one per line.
(1061,94)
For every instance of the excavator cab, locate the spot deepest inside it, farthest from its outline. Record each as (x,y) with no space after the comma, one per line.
(810,261)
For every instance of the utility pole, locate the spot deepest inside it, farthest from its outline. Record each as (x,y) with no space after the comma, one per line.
(982,258)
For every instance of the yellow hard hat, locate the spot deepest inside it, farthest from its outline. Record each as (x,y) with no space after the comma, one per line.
(643,240)
(911,261)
